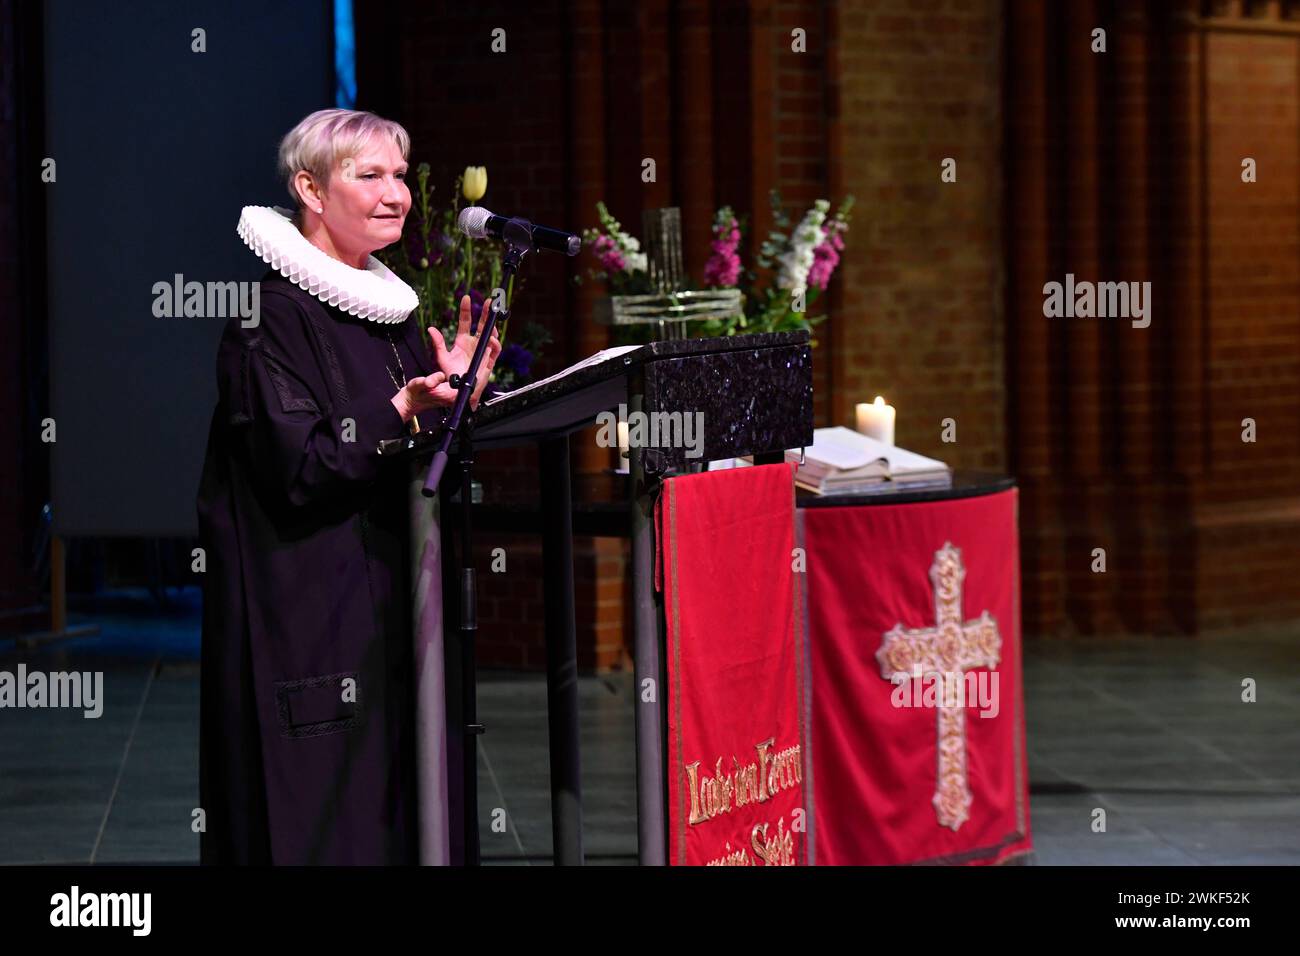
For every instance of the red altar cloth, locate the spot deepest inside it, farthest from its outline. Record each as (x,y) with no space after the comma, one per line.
(893,592)
(734,667)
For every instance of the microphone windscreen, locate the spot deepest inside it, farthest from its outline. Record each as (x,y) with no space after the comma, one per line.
(473,221)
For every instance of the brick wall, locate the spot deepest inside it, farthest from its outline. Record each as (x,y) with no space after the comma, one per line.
(1246,506)
(1125,165)
(1252,103)
(919,311)
(512,613)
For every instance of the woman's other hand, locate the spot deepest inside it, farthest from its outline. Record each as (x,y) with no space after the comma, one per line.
(420,395)
(455,361)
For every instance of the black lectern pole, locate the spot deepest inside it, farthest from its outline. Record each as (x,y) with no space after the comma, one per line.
(650,693)
(561,652)
(468,608)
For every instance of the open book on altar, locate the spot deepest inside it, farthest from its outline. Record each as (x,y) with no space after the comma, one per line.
(843,461)
(604,355)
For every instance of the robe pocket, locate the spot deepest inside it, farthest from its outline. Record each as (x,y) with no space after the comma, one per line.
(318,705)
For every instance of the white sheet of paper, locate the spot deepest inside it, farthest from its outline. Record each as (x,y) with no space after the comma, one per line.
(601,356)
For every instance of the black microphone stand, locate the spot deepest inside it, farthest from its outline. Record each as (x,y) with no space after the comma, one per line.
(517,237)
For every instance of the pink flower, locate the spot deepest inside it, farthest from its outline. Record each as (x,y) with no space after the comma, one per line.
(723,267)
(825,258)
(610,256)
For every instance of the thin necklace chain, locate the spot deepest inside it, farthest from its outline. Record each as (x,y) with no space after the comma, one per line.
(415,421)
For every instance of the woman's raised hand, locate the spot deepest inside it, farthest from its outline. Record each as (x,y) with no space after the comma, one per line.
(455,361)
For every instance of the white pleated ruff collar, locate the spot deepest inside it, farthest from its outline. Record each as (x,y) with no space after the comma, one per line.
(372,293)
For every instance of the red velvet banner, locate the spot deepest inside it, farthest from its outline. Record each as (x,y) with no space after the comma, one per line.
(917,723)
(735,729)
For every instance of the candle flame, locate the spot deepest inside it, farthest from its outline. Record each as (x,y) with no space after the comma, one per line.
(879,401)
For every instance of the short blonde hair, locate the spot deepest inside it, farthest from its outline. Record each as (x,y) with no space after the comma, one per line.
(321,140)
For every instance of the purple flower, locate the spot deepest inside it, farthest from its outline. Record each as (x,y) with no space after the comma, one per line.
(439,244)
(424,250)
(517,359)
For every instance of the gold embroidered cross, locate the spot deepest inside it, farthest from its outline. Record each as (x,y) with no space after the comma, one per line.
(948,649)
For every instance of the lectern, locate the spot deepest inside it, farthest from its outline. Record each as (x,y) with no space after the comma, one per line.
(755,394)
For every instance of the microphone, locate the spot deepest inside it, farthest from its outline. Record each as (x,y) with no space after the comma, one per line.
(478,223)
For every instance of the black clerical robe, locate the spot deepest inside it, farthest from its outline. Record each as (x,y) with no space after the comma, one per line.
(307,737)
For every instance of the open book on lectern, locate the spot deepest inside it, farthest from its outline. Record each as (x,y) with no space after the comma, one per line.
(843,461)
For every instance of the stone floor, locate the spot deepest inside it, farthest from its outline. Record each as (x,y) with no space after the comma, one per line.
(1152,731)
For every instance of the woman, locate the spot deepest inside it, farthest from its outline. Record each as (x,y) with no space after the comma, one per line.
(307,740)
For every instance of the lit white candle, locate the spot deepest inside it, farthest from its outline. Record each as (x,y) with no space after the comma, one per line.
(877,420)
(624,458)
